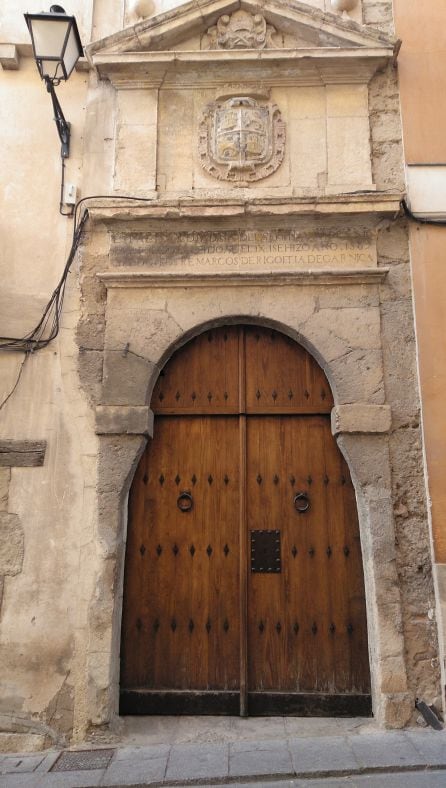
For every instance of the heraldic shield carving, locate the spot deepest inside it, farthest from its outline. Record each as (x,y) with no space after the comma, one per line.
(241,139)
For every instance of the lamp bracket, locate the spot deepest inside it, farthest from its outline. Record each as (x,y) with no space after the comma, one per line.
(63,127)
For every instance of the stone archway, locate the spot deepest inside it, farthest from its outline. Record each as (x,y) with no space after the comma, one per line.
(155,323)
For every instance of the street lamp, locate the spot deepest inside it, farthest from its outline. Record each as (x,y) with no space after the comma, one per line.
(57,48)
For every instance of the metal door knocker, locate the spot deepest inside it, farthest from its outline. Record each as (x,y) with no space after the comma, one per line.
(185,501)
(301,502)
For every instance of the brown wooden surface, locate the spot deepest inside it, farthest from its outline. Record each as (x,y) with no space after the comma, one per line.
(181,600)
(195,618)
(300,620)
(281,377)
(201,377)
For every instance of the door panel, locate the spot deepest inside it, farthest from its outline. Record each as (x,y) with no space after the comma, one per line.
(202,377)
(281,377)
(306,623)
(180,618)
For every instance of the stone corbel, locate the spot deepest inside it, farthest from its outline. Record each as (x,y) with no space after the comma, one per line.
(361,418)
(124,420)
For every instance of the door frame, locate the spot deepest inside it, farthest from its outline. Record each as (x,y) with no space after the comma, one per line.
(361,429)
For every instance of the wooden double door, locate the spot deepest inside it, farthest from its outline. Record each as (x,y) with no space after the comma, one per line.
(243,590)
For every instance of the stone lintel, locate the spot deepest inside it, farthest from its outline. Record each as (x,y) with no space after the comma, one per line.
(350,276)
(22,454)
(360,204)
(360,418)
(124,420)
(9,57)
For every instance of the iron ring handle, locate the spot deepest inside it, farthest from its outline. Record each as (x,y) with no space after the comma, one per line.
(185,502)
(301,502)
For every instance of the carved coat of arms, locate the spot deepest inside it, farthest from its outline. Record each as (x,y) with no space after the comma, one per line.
(241,139)
(240,30)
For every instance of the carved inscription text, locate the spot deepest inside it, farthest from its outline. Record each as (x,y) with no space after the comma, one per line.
(244,250)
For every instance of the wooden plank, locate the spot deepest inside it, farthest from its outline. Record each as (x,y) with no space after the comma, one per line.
(181,594)
(201,377)
(307,625)
(146,702)
(22,454)
(243,602)
(310,704)
(282,376)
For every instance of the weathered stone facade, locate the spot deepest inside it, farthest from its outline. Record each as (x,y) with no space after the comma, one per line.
(314,248)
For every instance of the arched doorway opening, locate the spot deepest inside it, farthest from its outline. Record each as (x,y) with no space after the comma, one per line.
(243,584)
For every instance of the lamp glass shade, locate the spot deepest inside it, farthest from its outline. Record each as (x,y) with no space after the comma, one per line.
(49,36)
(71,53)
(56,43)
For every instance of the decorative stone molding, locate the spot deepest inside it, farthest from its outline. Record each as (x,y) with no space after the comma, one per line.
(241,139)
(124,420)
(137,279)
(22,454)
(121,209)
(241,30)
(359,418)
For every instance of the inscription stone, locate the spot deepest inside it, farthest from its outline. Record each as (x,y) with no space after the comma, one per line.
(245,250)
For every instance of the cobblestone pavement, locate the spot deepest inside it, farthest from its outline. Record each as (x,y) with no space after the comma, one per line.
(390,759)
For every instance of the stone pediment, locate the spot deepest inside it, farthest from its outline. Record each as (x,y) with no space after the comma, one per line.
(230,25)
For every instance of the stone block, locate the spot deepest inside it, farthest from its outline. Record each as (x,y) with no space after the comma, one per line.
(5,476)
(347,101)
(20,764)
(137,107)
(22,742)
(381,751)
(9,57)
(259,758)
(308,151)
(348,150)
(124,420)
(319,754)
(360,418)
(127,378)
(136,772)
(188,761)
(135,166)
(395,710)
(22,454)
(11,544)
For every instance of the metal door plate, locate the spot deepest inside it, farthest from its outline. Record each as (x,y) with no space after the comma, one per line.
(265,551)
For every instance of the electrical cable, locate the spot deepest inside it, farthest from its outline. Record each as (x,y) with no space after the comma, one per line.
(48,326)
(420,220)
(8,396)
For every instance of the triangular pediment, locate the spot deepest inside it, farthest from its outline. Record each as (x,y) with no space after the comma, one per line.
(276,24)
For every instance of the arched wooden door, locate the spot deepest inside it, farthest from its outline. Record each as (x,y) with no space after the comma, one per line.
(244,588)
